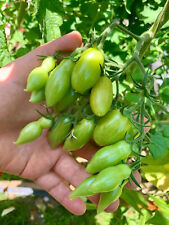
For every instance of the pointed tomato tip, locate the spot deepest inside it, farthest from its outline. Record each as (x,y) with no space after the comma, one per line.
(72,197)
(16,143)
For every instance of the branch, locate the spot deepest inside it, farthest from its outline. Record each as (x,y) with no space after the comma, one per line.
(162,18)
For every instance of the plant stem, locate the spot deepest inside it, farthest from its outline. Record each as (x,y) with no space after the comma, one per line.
(122,28)
(142,123)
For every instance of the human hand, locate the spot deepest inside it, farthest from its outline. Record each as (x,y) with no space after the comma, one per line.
(53,170)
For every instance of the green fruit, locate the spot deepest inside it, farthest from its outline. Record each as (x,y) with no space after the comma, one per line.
(110,178)
(87,70)
(80,135)
(59,82)
(37,79)
(109,156)
(45,123)
(111,128)
(29,133)
(83,188)
(37,96)
(101,96)
(66,101)
(59,132)
(48,63)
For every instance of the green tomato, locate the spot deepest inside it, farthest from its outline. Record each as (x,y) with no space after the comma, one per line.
(45,123)
(87,70)
(59,132)
(37,96)
(107,198)
(110,178)
(37,79)
(132,133)
(48,63)
(66,101)
(80,135)
(111,128)
(29,133)
(58,83)
(109,156)
(83,188)
(101,96)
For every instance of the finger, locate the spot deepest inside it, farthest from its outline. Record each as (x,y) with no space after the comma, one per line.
(68,42)
(57,189)
(87,151)
(113,207)
(67,168)
(131,185)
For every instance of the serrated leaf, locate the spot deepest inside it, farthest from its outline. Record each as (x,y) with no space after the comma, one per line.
(157,175)
(50,19)
(52,23)
(158,146)
(134,198)
(149,14)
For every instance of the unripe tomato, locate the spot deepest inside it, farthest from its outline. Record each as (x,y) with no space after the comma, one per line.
(58,83)
(29,133)
(111,128)
(109,156)
(83,188)
(80,135)
(110,178)
(107,198)
(37,79)
(87,70)
(37,96)
(59,132)
(132,132)
(66,101)
(45,123)
(101,96)
(48,63)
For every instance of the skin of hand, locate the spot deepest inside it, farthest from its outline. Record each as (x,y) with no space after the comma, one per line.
(52,170)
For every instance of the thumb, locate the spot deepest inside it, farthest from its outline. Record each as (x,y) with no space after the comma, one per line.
(68,42)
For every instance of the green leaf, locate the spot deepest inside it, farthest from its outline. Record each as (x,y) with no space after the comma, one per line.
(158,219)
(134,198)
(52,23)
(149,14)
(5,57)
(158,147)
(50,18)
(151,161)
(4,53)
(166,131)
(157,175)
(163,206)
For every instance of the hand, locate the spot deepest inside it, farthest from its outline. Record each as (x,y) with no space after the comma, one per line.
(53,170)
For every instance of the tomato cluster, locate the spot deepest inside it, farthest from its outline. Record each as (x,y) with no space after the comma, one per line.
(81,98)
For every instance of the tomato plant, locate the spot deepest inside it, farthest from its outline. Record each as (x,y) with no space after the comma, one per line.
(109,91)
